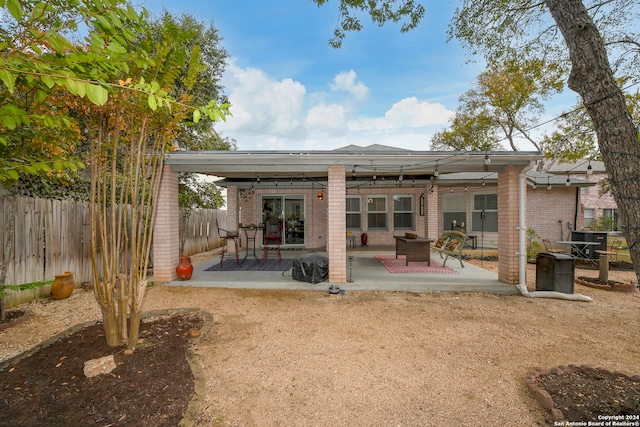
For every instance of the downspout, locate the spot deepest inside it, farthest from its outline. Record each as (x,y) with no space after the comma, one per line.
(522,286)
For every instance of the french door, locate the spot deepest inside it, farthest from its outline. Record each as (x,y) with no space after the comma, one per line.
(284,215)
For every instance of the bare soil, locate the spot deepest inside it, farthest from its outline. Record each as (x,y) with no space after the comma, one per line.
(311,358)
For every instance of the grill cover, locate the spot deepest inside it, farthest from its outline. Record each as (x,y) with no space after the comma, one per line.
(311,268)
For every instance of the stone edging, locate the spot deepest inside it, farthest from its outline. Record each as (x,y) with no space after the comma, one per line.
(545,399)
(199,385)
(620,287)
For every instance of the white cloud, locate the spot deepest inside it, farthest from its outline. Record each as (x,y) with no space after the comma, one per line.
(346,81)
(281,114)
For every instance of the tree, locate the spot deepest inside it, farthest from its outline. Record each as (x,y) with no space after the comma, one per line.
(576,37)
(129,127)
(202,82)
(505,104)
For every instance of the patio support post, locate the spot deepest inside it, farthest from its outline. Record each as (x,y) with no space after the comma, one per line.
(337,225)
(166,229)
(509,223)
(432,212)
(232,215)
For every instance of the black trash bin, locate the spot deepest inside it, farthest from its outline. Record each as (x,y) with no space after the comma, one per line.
(555,272)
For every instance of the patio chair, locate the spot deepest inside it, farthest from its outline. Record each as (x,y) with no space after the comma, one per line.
(227,235)
(274,236)
(550,249)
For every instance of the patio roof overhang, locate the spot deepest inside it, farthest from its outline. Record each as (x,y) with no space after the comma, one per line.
(361,164)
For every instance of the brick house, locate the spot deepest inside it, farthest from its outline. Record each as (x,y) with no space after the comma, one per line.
(318,196)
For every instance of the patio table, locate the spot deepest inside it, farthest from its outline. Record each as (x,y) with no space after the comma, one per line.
(415,250)
(253,229)
(578,248)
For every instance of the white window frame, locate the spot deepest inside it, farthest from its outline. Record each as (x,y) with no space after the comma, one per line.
(358,213)
(410,211)
(376,212)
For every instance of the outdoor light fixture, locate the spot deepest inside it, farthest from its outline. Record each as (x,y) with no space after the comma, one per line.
(465,187)
(435,172)
(589,169)
(451,191)
(320,195)
(276,182)
(548,184)
(535,184)
(353,172)
(568,183)
(484,183)
(487,160)
(374,175)
(291,181)
(400,178)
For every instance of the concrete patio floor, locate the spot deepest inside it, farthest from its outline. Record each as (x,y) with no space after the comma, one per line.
(366,272)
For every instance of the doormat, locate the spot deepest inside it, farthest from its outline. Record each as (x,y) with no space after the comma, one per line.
(394,265)
(252,265)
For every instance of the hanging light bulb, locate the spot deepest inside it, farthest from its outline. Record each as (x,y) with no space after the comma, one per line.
(465,187)
(400,178)
(548,184)
(353,172)
(291,181)
(568,182)
(589,169)
(276,181)
(374,177)
(258,179)
(487,160)
(484,183)
(535,184)
(435,172)
(451,191)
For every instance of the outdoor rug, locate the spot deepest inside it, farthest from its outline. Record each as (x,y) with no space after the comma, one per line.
(394,265)
(250,264)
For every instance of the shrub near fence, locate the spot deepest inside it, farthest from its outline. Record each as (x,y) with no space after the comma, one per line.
(54,236)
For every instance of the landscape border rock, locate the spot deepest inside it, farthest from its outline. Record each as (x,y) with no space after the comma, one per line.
(616,286)
(16,321)
(544,398)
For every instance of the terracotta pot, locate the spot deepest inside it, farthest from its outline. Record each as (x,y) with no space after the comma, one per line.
(184,269)
(63,285)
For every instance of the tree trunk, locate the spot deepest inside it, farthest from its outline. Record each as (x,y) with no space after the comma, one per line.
(111,325)
(134,329)
(592,78)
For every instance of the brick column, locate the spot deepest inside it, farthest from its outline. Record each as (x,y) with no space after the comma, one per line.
(166,229)
(337,225)
(432,212)
(508,222)
(232,215)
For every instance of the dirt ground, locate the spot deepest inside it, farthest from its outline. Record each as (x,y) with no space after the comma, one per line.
(368,358)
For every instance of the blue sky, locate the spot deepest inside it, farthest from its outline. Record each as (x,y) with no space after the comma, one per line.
(290,90)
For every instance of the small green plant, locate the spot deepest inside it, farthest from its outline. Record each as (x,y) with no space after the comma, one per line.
(604,223)
(533,245)
(25,286)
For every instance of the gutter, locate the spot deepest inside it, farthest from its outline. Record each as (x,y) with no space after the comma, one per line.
(522,286)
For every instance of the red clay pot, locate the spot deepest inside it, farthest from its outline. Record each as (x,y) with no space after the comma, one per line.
(184,269)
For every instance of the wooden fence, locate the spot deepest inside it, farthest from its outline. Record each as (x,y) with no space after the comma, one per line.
(54,236)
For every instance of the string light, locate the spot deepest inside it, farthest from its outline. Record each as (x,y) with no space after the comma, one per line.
(568,182)
(548,184)
(589,169)
(487,160)
(435,172)
(400,178)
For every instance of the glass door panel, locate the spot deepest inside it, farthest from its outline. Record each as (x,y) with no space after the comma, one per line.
(271,216)
(294,220)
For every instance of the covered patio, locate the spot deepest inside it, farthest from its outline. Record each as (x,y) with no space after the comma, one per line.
(323,181)
(364,273)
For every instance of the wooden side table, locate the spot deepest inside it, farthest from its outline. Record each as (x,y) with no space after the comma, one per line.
(415,250)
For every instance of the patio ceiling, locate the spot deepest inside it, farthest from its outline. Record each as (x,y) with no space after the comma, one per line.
(360,163)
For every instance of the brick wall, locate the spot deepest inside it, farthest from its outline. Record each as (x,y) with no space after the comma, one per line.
(548,211)
(337,223)
(508,224)
(166,230)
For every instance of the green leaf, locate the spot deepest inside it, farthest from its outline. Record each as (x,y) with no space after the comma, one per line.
(152,102)
(196,116)
(15,8)
(97,94)
(48,80)
(9,80)
(13,174)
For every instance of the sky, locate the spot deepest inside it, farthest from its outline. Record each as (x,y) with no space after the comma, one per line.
(289,89)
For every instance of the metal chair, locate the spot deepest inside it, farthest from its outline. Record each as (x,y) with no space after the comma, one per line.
(550,249)
(227,235)
(274,236)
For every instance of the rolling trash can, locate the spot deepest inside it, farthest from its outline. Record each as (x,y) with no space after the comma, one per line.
(555,272)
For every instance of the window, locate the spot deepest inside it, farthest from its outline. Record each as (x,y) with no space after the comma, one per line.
(485,212)
(588,217)
(454,208)
(354,213)
(610,219)
(377,212)
(403,212)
